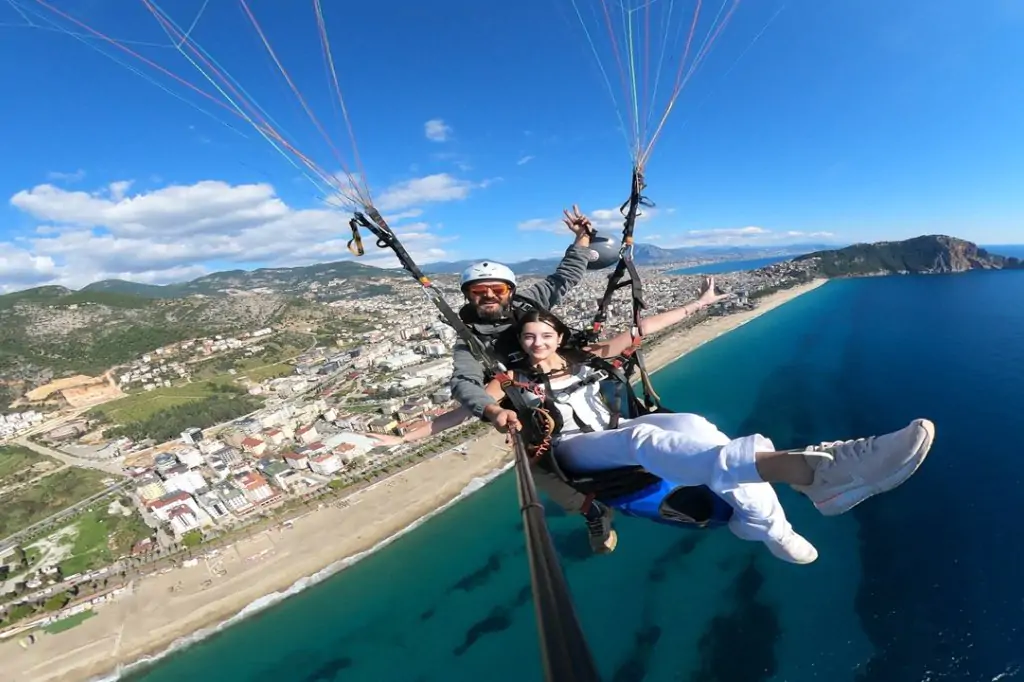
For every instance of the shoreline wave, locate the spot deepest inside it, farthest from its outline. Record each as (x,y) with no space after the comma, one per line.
(268,600)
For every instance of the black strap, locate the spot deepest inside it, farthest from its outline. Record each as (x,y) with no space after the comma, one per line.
(564,650)
(630,210)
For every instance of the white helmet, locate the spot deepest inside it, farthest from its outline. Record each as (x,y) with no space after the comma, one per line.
(487,271)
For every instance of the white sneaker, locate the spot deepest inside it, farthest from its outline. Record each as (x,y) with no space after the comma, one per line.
(793,548)
(848,472)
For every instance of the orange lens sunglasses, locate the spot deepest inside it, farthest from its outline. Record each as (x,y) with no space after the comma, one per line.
(497,289)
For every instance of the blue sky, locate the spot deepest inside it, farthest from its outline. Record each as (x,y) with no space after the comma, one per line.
(478,122)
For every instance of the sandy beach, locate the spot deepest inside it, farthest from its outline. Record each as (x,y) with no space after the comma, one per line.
(192,599)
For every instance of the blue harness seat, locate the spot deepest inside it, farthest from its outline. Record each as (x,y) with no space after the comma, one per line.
(634,491)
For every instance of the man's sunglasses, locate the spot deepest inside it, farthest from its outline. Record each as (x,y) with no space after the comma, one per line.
(497,289)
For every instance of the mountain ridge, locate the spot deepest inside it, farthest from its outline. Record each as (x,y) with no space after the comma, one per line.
(223,282)
(349,278)
(52,330)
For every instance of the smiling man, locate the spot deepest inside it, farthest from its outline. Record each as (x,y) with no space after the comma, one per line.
(492,299)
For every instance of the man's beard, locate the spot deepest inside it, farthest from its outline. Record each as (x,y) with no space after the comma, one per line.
(493,314)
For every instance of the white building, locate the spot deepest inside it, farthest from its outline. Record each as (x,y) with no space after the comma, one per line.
(398,360)
(296,460)
(308,434)
(191,436)
(190,457)
(326,463)
(188,481)
(161,508)
(254,486)
(360,444)
(435,371)
(234,498)
(212,504)
(183,519)
(149,487)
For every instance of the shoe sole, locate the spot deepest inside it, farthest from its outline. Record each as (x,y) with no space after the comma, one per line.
(846,501)
(792,559)
(609,545)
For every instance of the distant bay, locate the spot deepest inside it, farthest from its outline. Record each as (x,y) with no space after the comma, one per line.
(724,267)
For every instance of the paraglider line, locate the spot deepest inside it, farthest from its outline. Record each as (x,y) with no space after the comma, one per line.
(618,59)
(82,39)
(165,21)
(27,14)
(194,22)
(737,61)
(291,84)
(706,48)
(628,25)
(661,63)
(647,68)
(24,16)
(262,129)
(326,45)
(604,73)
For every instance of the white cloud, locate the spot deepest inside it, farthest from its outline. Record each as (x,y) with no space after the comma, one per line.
(603,219)
(608,221)
(170,234)
(403,215)
(20,268)
(525,160)
(118,189)
(729,232)
(742,236)
(429,189)
(57,176)
(437,130)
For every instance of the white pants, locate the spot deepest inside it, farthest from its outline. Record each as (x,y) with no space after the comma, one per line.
(689,450)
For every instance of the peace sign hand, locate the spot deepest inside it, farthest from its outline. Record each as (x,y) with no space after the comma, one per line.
(577,222)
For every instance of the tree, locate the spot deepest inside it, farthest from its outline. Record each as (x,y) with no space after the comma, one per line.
(56,602)
(20,557)
(191,539)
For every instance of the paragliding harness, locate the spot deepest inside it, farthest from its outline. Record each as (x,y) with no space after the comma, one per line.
(632,490)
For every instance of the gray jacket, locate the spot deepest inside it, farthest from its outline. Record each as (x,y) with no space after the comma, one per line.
(467,382)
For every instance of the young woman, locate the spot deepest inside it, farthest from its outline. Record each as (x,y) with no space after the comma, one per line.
(688,450)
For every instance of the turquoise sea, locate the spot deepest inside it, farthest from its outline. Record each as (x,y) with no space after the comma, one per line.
(919,585)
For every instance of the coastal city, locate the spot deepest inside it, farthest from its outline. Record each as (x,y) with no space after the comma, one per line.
(298,432)
(241,438)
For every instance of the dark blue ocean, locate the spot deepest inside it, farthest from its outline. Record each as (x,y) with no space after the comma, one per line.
(920,585)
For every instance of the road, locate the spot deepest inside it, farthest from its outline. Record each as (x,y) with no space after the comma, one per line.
(113,467)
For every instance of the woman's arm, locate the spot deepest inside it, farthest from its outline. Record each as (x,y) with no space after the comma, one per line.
(617,344)
(443,422)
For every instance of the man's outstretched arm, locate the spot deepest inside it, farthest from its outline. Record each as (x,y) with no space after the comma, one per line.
(467,382)
(549,292)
